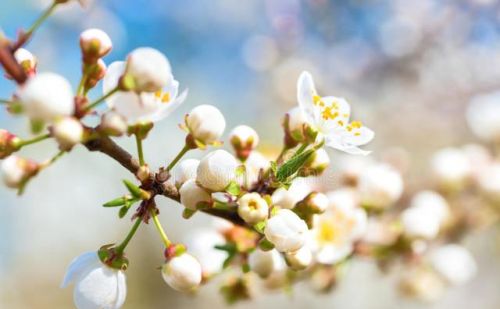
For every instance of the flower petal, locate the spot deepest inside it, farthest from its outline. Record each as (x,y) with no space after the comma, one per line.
(121,290)
(79,266)
(305,93)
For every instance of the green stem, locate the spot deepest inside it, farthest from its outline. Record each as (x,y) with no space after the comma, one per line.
(121,247)
(34,140)
(53,159)
(5,101)
(138,141)
(183,151)
(160,229)
(81,85)
(100,100)
(42,18)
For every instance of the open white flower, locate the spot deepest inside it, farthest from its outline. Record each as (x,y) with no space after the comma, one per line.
(192,194)
(455,263)
(182,273)
(184,171)
(335,231)
(97,286)
(47,97)
(145,106)
(206,123)
(252,208)
(330,117)
(201,243)
(216,170)
(286,231)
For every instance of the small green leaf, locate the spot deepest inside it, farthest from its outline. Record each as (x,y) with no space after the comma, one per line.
(123,211)
(259,227)
(233,188)
(293,165)
(228,260)
(229,247)
(120,201)
(132,188)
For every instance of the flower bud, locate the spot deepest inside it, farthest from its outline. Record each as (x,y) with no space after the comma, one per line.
(451,168)
(422,284)
(289,198)
(192,194)
(95,73)
(264,263)
(46,97)
(94,44)
(252,208)
(16,171)
(316,164)
(217,170)
(420,223)
(27,61)
(182,272)
(184,171)
(300,259)
(9,143)
(96,284)
(316,202)
(286,231)
(149,70)
(454,263)
(254,164)
(205,123)
(483,116)
(68,132)
(244,139)
(113,124)
(295,125)
(379,186)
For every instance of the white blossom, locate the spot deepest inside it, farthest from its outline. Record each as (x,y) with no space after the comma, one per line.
(420,222)
(184,171)
(297,123)
(182,273)
(95,43)
(68,132)
(252,208)
(380,185)
(47,97)
(145,106)
(113,124)
(451,167)
(150,70)
(483,116)
(489,180)
(97,286)
(16,170)
(335,231)
(26,59)
(216,170)
(201,243)
(206,123)
(300,259)
(244,139)
(192,194)
(253,165)
(317,163)
(454,263)
(330,117)
(288,198)
(286,231)
(264,263)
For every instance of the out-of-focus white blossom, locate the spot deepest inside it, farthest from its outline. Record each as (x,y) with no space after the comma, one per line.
(252,208)
(330,117)
(483,116)
(201,243)
(379,186)
(317,163)
(145,106)
(216,170)
(95,44)
(264,263)
(288,198)
(253,165)
(113,124)
(489,181)
(15,171)
(149,69)
(27,60)
(451,167)
(192,194)
(68,132)
(47,97)
(286,231)
(300,259)
(335,231)
(183,272)
(206,123)
(455,263)
(184,171)
(422,284)
(96,285)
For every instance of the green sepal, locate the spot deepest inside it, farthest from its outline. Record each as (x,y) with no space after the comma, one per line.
(240,171)
(123,212)
(127,82)
(245,268)
(265,244)
(188,213)
(233,188)
(120,201)
(133,189)
(112,258)
(293,165)
(203,205)
(229,247)
(260,226)
(37,126)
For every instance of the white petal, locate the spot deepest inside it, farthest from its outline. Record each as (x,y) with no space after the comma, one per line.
(98,289)
(113,73)
(121,290)
(79,266)
(332,254)
(305,93)
(170,107)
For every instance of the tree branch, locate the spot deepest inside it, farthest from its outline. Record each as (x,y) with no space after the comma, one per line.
(9,63)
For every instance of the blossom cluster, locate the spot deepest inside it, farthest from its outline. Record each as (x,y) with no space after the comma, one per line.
(280,219)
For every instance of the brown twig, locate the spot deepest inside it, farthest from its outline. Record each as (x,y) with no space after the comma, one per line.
(9,63)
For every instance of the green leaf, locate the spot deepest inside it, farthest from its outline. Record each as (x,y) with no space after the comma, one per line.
(293,165)
(259,227)
(229,247)
(123,211)
(233,188)
(132,188)
(120,201)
